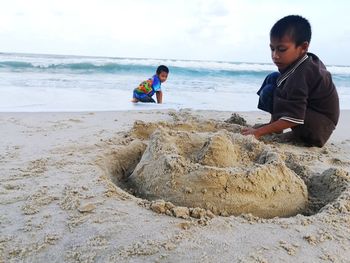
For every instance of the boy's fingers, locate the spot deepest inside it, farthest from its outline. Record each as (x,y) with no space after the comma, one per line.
(247,131)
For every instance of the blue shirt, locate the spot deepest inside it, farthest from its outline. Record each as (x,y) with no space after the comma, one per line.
(156,85)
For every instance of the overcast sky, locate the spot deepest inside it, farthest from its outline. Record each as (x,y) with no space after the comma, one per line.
(230,30)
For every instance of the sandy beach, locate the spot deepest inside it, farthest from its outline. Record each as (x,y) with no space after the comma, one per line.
(63,196)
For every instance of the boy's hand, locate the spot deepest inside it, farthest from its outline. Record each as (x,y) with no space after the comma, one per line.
(250,131)
(274,127)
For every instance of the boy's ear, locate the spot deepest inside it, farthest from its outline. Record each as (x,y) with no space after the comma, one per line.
(305,46)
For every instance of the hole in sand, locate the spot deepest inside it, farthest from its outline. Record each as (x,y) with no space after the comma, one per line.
(210,166)
(323,188)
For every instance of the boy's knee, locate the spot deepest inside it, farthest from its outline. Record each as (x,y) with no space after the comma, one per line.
(272,78)
(307,136)
(316,130)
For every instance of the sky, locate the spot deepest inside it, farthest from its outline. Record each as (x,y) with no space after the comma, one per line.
(221,30)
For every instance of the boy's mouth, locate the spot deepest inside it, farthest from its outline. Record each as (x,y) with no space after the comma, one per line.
(279,64)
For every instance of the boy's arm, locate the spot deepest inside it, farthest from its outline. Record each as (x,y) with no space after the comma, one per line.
(273,127)
(159,95)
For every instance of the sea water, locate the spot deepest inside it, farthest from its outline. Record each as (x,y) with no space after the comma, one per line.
(30,83)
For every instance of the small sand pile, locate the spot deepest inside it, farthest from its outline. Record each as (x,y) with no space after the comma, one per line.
(237,119)
(162,207)
(224,172)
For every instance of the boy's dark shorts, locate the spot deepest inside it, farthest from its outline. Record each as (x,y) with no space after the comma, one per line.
(316,130)
(143,97)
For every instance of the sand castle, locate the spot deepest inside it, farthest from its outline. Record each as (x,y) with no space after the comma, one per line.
(224,172)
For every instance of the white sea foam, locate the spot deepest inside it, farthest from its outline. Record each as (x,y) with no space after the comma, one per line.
(45,61)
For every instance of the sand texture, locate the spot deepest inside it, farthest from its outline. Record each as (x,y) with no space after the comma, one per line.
(169,186)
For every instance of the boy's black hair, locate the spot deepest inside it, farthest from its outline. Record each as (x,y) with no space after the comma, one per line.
(161,69)
(296,27)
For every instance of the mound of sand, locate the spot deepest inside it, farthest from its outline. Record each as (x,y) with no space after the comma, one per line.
(224,172)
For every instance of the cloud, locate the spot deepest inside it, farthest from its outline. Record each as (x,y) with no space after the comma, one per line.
(214,8)
(197,29)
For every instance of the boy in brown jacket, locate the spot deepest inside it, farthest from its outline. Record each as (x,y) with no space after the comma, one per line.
(301,96)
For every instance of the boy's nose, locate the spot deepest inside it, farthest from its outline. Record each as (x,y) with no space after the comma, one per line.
(274,54)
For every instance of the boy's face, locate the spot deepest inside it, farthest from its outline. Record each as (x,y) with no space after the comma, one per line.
(163,76)
(284,51)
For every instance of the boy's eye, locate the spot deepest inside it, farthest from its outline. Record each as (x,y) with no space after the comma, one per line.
(279,49)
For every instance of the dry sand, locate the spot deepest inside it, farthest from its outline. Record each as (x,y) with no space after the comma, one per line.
(67,181)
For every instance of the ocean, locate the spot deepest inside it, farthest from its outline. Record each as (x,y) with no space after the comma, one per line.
(43,83)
